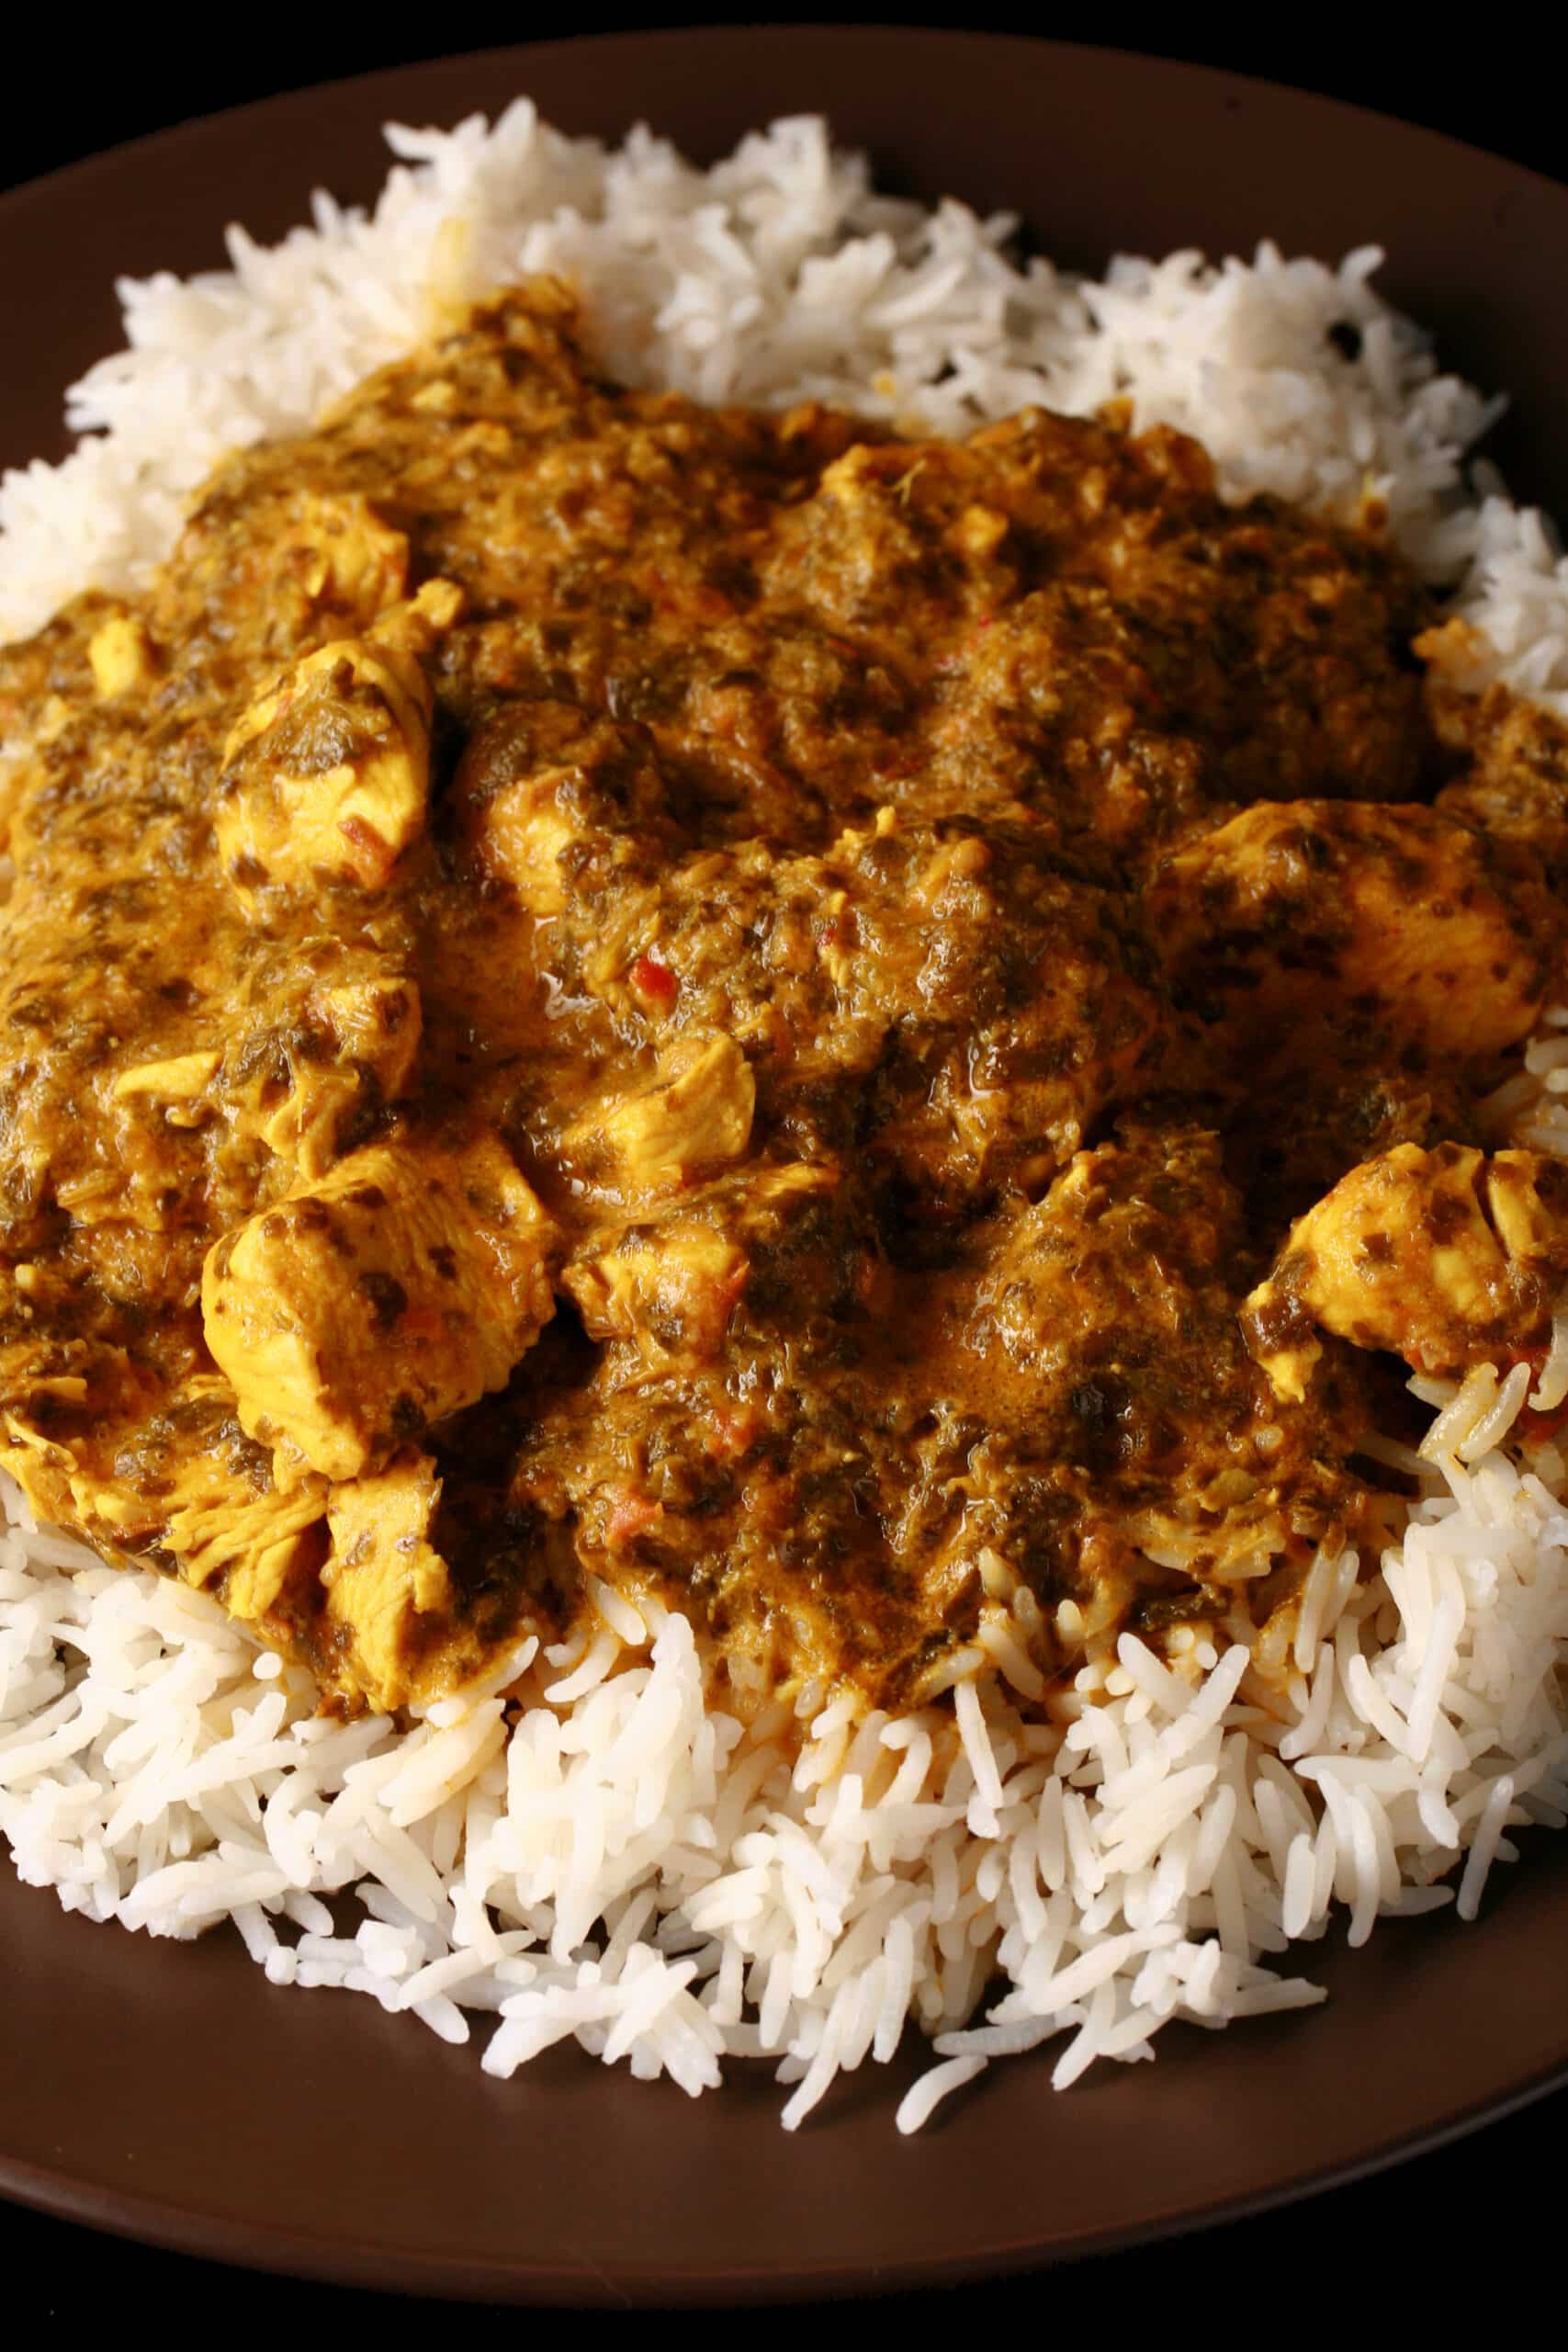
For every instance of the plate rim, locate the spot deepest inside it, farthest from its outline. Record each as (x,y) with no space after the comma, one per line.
(284,2253)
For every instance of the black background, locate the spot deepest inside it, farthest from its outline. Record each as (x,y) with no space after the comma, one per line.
(1479,2219)
(134,74)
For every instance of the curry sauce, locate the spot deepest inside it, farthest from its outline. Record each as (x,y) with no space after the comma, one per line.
(820,1024)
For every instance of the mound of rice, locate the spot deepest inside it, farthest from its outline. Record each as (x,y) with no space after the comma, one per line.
(615,1859)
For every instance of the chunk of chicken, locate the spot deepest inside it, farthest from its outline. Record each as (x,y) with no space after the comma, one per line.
(327,775)
(668,1285)
(121,656)
(356,1051)
(401,1287)
(177,1082)
(382,1575)
(326,1036)
(343,555)
(240,1537)
(697,1114)
(1442,1257)
(188,1491)
(542,781)
(1353,918)
(667,1288)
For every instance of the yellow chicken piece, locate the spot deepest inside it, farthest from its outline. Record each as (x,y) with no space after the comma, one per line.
(371,1028)
(382,1573)
(246,1542)
(542,777)
(327,775)
(120,657)
(697,1114)
(524,838)
(671,1286)
(180,1080)
(671,1290)
(1443,1257)
(396,1290)
(201,1499)
(1300,915)
(410,627)
(346,556)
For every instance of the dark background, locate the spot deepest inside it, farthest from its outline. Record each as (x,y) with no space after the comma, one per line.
(1477,2215)
(135,74)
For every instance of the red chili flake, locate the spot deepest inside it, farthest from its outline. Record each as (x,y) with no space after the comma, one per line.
(629,1517)
(733,1429)
(654,984)
(372,859)
(864,1278)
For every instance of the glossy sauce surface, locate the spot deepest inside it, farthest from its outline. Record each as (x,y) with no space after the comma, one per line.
(743,1005)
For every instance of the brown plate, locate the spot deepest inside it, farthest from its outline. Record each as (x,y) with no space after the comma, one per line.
(169,2092)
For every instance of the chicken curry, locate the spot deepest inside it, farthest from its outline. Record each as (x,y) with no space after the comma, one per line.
(815,1023)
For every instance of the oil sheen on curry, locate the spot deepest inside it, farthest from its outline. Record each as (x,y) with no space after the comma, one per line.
(808,1022)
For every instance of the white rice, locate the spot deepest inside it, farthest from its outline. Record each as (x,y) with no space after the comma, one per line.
(619,1861)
